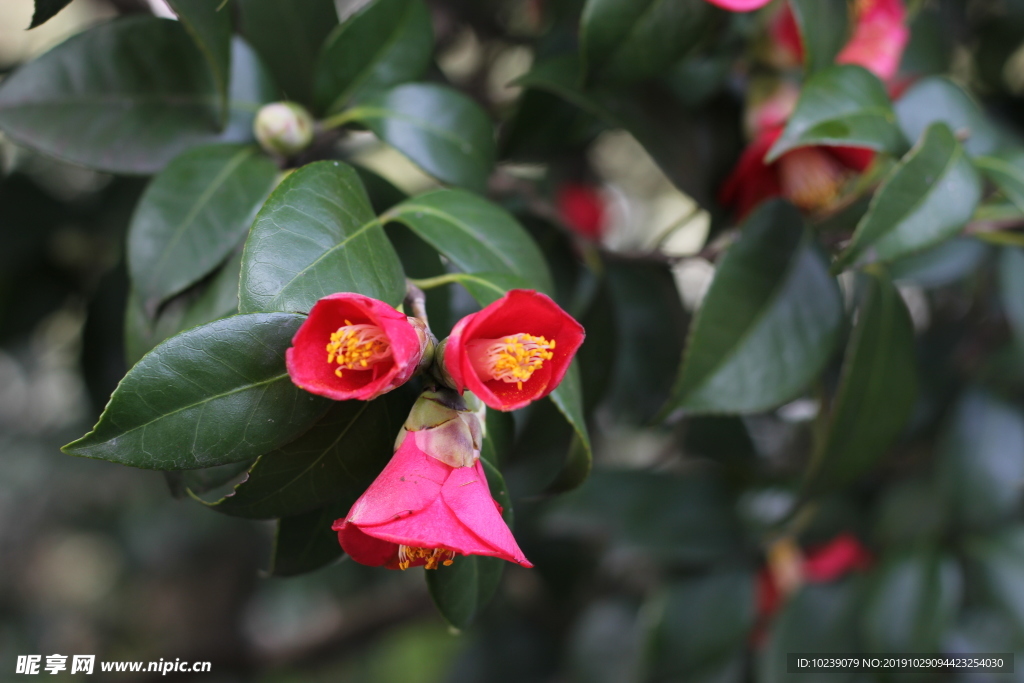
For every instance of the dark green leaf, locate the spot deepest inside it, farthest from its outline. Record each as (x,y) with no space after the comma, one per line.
(206,479)
(926,199)
(138,91)
(823,30)
(462,590)
(980,465)
(335,461)
(877,391)
(936,99)
(210,396)
(913,600)
(768,324)
(940,265)
(288,36)
(842,105)
(1000,561)
(384,43)
(193,215)
(487,288)
(444,132)
(474,234)
(317,235)
(1006,170)
(46,9)
(208,302)
(638,39)
(699,624)
(568,398)
(1011,286)
(209,24)
(304,543)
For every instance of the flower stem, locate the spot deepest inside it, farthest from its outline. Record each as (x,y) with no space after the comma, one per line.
(439,281)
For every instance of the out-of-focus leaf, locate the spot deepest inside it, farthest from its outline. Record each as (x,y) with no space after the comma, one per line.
(305,542)
(823,30)
(1006,170)
(926,199)
(209,24)
(317,235)
(461,591)
(288,36)
(335,461)
(937,99)
(767,325)
(818,618)
(138,92)
(700,624)
(940,265)
(214,395)
(441,130)
(910,512)
(476,235)
(877,391)
(193,215)
(912,601)
(1011,288)
(842,105)
(384,43)
(45,10)
(629,40)
(999,563)
(680,518)
(979,460)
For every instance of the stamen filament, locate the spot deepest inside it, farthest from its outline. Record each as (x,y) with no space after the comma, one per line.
(357,347)
(433,557)
(510,359)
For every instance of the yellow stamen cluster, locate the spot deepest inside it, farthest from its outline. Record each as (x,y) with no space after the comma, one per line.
(357,347)
(514,358)
(434,557)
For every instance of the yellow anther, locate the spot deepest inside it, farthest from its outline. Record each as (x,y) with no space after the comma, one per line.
(355,347)
(510,359)
(432,557)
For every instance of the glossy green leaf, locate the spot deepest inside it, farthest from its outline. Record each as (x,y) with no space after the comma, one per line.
(768,324)
(210,301)
(444,132)
(462,590)
(335,461)
(1011,288)
(138,92)
(823,30)
(568,398)
(193,215)
(937,99)
(317,235)
(1006,170)
(926,199)
(384,43)
(210,396)
(206,479)
(209,24)
(487,288)
(914,597)
(474,234)
(979,463)
(877,391)
(46,10)
(638,39)
(842,105)
(305,542)
(288,36)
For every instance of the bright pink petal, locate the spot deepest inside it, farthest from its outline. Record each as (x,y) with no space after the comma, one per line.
(752,181)
(365,549)
(879,38)
(740,5)
(582,209)
(856,158)
(468,496)
(410,483)
(785,34)
(836,558)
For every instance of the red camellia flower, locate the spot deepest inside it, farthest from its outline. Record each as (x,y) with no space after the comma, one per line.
(514,351)
(355,347)
(582,209)
(421,511)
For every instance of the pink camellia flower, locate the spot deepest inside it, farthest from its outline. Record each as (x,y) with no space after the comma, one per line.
(432,502)
(740,5)
(582,208)
(810,177)
(355,347)
(514,351)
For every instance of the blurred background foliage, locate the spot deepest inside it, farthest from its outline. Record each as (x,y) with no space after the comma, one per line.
(689,554)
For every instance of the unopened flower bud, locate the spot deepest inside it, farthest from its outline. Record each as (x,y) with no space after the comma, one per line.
(283,128)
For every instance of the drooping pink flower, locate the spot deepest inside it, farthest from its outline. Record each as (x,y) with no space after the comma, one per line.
(355,347)
(879,36)
(421,511)
(514,351)
(582,208)
(740,5)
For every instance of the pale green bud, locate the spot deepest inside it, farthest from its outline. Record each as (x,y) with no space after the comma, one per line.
(283,128)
